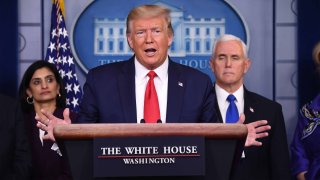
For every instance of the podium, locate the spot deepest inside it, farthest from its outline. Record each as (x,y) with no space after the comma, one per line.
(223,145)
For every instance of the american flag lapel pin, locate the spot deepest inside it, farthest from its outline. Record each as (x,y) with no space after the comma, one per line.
(180,84)
(251,109)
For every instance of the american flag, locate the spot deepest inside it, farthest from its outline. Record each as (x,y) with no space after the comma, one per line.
(59,53)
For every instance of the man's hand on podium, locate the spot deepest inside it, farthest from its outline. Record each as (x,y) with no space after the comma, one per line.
(256,130)
(51,122)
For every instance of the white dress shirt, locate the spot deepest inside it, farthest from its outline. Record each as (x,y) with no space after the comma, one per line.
(161,84)
(224,104)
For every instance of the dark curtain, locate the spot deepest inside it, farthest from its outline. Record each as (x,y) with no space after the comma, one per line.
(308,36)
(9,47)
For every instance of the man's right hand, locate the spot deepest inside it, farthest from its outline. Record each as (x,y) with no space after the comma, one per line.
(256,130)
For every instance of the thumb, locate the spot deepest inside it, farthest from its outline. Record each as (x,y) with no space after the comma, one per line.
(241,118)
(66,115)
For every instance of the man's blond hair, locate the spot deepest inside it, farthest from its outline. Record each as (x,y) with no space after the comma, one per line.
(149,11)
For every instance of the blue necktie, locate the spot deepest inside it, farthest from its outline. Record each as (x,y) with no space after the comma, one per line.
(232,111)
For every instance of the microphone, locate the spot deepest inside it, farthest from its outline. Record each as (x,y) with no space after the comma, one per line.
(142,121)
(159,121)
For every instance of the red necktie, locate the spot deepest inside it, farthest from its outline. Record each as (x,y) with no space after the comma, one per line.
(151,103)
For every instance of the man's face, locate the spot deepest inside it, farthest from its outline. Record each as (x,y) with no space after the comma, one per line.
(229,64)
(150,40)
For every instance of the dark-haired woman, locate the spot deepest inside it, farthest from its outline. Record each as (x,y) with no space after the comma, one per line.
(42,88)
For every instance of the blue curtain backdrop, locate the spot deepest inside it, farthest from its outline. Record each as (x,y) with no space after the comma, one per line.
(9,47)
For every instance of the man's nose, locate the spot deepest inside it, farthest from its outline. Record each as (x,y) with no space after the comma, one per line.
(149,37)
(228,62)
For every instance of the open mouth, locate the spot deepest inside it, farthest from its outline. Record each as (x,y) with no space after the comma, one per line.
(150,51)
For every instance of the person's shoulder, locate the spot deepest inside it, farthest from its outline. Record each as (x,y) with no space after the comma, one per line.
(263,100)
(110,72)
(310,108)
(111,67)
(189,71)
(315,103)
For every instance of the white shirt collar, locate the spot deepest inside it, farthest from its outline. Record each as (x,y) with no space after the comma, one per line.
(141,71)
(223,103)
(223,94)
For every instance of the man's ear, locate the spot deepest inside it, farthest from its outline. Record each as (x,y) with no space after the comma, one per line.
(129,39)
(170,39)
(247,65)
(211,64)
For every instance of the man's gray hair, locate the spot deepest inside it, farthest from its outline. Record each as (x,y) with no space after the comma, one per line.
(230,37)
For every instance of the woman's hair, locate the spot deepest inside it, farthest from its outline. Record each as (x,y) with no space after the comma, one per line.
(24,85)
(149,11)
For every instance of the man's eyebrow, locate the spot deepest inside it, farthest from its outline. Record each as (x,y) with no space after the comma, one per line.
(235,55)
(222,55)
(156,27)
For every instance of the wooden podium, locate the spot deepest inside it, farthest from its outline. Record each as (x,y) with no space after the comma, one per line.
(223,144)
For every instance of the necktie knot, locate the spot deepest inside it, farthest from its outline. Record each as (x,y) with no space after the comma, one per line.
(231,98)
(152,74)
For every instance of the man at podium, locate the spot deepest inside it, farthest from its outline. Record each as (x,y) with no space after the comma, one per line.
(149,87)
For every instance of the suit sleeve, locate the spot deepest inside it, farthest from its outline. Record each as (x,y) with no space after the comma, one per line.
(279,148)
(300,161)
(209,114)
(88,108)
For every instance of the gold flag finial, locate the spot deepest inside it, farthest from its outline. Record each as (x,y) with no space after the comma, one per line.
(61,5)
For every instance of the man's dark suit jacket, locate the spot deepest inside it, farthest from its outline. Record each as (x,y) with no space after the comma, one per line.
(109,95)
(15,155)
(271,160)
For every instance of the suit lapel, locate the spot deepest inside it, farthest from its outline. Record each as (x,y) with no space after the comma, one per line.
(216,106)
(126,86)
(249,107)
(175,92)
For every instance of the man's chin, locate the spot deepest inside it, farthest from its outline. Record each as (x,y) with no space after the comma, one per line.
(228,82)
